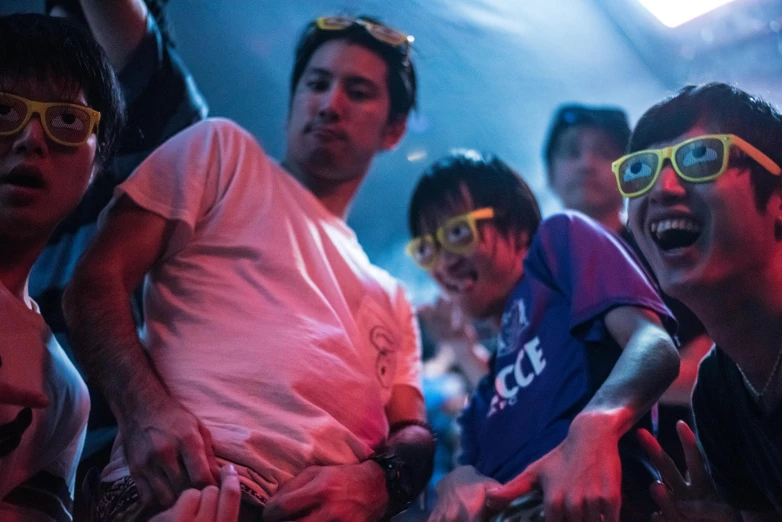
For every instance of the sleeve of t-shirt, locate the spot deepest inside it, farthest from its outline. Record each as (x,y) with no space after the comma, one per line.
(716,431)
(594,269)
(408,371)
(186,176)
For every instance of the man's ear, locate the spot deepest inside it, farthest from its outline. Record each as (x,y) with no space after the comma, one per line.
(393,132)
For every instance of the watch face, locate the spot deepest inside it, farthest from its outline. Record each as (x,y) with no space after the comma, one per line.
(527,508)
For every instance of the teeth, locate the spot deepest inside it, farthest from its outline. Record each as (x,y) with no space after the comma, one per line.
(658,227)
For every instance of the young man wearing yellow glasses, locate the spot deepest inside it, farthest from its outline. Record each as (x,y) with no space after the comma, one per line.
(60,117)
(270,342)
(582,352)
(705,203)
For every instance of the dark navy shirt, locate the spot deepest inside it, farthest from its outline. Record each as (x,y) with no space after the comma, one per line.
(554,350)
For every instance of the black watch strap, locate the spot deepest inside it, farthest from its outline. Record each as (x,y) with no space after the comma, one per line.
(398,485)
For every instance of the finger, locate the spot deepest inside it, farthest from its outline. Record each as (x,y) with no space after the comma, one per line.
(196,461)
(207,508)
(593,510)
(498,498)
(611,510)
(696,466)
(12,396)
(664,464)
(184,510)
(290,504)
(664,500)
(554,510)
(209,451)
(145,492)
(176,475)
(230,495)
(706,510)
(164,493)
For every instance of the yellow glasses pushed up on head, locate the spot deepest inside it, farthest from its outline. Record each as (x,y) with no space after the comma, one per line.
(381,32)
(697,160)
(458,235)
(65,123)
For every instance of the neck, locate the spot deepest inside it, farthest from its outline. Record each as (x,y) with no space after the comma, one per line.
(16,261)
(744,318)
(335,194)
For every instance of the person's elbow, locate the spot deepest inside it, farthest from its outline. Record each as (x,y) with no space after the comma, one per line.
(666,357)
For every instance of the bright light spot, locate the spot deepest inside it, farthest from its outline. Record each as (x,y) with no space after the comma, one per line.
(674,13)
(416,155)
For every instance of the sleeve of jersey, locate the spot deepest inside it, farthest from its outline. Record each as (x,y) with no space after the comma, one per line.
(188,175)
(591,266)
(718,441)
(408,371)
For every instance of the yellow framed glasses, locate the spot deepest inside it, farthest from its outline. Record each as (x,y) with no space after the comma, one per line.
(458,235)
(385,34)
(65,123)
(697,160)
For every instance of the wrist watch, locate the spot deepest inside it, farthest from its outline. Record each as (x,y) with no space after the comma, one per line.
(398,484)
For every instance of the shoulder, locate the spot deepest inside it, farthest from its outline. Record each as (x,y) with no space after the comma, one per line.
(569,225)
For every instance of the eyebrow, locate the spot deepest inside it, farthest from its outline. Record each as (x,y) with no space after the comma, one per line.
(353,79)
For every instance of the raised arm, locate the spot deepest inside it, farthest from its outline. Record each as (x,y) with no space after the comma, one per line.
(118,26)
(582,476)
(167,449)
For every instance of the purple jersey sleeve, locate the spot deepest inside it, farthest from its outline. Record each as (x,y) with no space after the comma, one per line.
(593,267)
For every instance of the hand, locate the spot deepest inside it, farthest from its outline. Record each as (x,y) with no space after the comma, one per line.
(168,450)
(446,322)
(208,505)
(678,499)
(12,396)
(581,478)
(354,492)
(461,496)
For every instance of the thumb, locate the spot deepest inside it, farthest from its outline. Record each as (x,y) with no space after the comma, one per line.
(498,498)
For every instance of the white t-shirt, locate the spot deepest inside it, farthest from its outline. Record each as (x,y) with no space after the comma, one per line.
(42,446)
(265,317)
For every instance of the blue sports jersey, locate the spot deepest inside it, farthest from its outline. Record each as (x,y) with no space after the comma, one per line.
(554,350)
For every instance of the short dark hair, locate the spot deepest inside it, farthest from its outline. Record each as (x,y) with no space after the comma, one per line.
(724,109)
(156,9)
(490,183)
(611,120)
(400,80)
(53,48)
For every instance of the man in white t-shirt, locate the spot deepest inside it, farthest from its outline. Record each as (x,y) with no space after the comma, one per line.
(270,341)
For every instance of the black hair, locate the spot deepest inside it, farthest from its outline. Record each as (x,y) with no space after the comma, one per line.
(489,181)
(723,109)
(156,9)
(400,80)
(47,48)
(611,120)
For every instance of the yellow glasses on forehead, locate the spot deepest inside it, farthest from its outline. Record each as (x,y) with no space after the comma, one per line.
(65,123)
(458,235)
(697,160)
(385,34)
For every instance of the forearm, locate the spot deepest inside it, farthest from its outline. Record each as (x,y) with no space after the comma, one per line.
(647,366)
(118,26)
(100,320)
(415,446)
